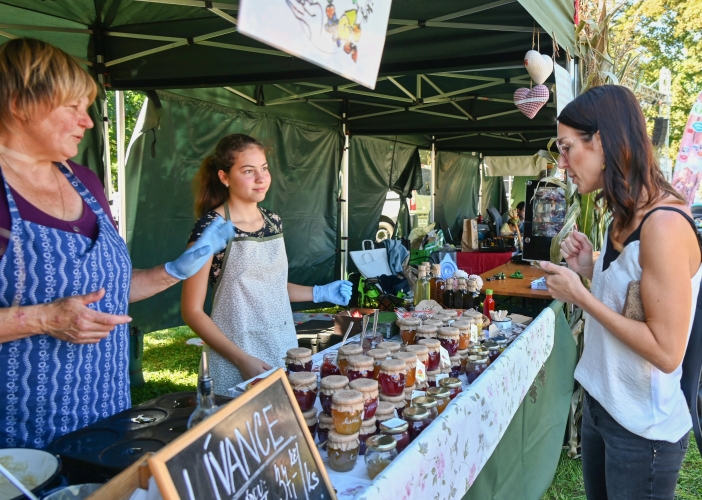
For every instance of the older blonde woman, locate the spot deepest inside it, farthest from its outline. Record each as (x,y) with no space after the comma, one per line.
(65,275)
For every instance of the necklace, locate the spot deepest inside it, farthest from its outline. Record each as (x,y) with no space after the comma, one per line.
(58,186)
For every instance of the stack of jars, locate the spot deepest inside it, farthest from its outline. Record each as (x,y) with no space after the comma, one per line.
(298,362)
(393,378)
(433,359)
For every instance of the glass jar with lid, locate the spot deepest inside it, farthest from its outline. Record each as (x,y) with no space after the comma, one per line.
(421,351)
(342,450)
(477,318)
(378,355)
(455,366)
(397,401)
(502,344)
(448,338)
(426,332)
(454,386)
(381,450)
(431,378)
(410,360)
(329,365)
(385,411)
(408,329)
(304,386)
(451,313)
(475,367)
(369,389)
(434,356)
(360,366)
(391,347)
(347,411)
(311,420)
(428,403)
(325,424)
(463,326)
(344,353)
(298,359)
(392,377)
(441,394)
(368,428)
(330,385)
(417,420)
(493,353)
(398,429)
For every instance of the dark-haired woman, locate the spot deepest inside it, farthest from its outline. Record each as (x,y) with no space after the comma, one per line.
(251,326)
(636,422)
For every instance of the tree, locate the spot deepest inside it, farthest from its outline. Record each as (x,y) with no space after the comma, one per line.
(133,102)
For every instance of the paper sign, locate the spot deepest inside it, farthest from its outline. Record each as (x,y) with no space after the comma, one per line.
(473,333)
(421,372)
(564,88)
(344,36)
(445,358)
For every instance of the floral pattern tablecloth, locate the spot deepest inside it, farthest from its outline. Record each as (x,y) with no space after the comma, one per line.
(447,457)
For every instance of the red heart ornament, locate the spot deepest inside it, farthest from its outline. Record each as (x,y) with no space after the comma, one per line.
(531,101)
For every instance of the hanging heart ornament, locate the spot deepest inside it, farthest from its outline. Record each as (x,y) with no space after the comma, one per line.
(539,66)
(531,101)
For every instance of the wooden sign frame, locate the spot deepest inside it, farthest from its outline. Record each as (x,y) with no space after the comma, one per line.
(157,462)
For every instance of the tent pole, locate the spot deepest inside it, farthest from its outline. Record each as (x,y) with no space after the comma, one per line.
(432,193)
(344,201)
(121,177)
(107,175)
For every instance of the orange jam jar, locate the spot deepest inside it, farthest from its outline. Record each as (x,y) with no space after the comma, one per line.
(397,401)
(331,385)
(410,360)
(434,357)
(310,417)
(408,329)
(347,411)
(304,386)
(360,366)
(441,394)
(369,389)
(463,326)
(344,353)
(342,450)
(392,377)
(454,386)
(385,411)
(378,355)
(298,359)
(426,332)
(326,424)
(391,347)
(448,337)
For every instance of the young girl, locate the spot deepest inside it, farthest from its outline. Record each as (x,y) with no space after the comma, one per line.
(251,326)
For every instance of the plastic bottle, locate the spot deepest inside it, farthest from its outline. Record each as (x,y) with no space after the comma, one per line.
(489,304)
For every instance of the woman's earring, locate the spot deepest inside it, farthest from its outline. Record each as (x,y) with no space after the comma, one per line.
(227,185)
(603,167)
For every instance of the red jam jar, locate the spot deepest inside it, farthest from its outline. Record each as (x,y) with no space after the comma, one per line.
(378,355)
(369,389)
(310,417)
(344,353)
(329,386)
(434,357)
(426,332)
(298,359)
(420,351)
(442,396)
(360,366)
(463,326)
(431,378)
(410,360)
(428,403)
(417,420)
(347,411)
(448,337)
(455,369)
(391,347)
(326,424)
(392,377)
(453,384)
(304,386)
(398,429)
(368,428)
(475,367)
(494,352)
(385,411)
(397,401)
(329,366)
(408,329)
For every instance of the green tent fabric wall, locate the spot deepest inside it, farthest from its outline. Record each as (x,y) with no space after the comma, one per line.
(457,189)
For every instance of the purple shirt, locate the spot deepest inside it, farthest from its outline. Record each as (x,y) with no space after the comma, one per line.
(87,224)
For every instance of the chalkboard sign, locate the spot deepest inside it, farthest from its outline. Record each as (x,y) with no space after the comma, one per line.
(257,447)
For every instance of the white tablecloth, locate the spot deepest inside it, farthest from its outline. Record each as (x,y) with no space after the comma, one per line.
(446,458)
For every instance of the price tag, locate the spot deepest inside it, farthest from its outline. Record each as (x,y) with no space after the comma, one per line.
(439,377)
(421,373)
(445,358)
(474,333)
(393,422)
(417,394)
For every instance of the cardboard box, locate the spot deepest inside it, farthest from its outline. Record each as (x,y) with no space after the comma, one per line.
(469,241)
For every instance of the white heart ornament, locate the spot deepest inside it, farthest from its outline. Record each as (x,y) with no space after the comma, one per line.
(539,66)
(531,101)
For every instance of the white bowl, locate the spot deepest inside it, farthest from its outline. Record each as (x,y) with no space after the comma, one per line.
(33,468)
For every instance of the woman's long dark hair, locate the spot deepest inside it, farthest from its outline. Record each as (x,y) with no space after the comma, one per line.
(633,178)
(209,190)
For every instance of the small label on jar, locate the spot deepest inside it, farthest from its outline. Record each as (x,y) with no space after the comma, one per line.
(421,372)
(445,358)
(393,422)
(474,333)
(417,394)
(439,376)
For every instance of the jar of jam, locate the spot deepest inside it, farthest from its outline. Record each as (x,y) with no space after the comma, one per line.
(420,351)
(344,353)
(476,365)
(360,366)
(426,332)
(368,428)
(455,369)
(441,394)
(326,424)
(417,420)
(431,378)
(453,384)
(342,450)
(347,411)
(408,394)
(443,317)
(493,353)
(433,322)
(392,377)
(310,417)
(378,355)
(397,401)
(410,360)
(463,326)
(477,318)
(304,386)
(369,389)
(385,411)
(381,451)
(329,366)
(434,356)
(391,347)
(298,359)
(398,429)
(408,329)
(464,360)
(451,313)
(330,385)
(428,403)
(448,337)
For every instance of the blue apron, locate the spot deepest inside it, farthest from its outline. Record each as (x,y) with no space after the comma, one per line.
(50,387)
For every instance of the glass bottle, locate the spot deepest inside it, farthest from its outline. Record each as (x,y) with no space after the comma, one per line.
(422,291)
(206,405)
(437,285)
(459,296)
(448,294)
(489,304)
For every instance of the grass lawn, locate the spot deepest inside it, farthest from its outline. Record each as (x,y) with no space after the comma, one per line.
(170,365)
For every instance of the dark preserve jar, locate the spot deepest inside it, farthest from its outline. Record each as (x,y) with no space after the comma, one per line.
(454,386)
(304,386)
(359,366)
(330,385)
(392,376)
(433,353)
(399,429)
(298,359)
(417,420)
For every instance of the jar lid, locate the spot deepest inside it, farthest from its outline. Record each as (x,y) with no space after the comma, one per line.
(385,408)
(306,380)
(335,382)
(392,347)
(451,313)
(368,424)
(438,392)
(396,401)
(394,426)
(473,314)
(450,383)
(424,402)
(494,348)
(393,366)
(312,412)
(415,414)
(427,329)
(478,359)
(409,389)
(502,342)
(448,332)
(407,357)
(347,397)
(442,316)
(365,385)
(378,354)
(411,321)
(430,343)
(433,373)
(455,359)
(381,442)
(325,419)
(336,438)
(350,350)
(463,322)
(433,322)
(360,362)
(299,353)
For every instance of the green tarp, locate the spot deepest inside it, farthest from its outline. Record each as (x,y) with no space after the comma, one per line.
(457,189)
(494,195)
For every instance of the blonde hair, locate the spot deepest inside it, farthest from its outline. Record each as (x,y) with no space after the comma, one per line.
(36,76)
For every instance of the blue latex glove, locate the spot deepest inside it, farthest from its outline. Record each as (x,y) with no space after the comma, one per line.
(213,239)
(337,292)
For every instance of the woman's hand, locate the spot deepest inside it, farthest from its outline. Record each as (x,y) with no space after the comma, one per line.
(563,284)
(576,249)
(252,367)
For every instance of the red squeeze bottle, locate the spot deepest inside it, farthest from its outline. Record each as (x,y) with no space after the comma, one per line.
(488,304)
